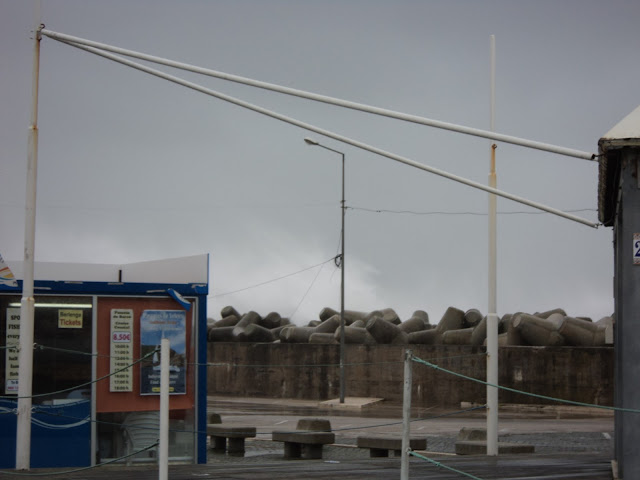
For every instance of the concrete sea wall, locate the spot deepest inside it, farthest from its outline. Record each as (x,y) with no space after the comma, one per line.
(310,371)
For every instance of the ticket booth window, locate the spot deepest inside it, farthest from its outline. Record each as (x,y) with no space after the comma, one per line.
(129,330)
(61,381)
(62,350)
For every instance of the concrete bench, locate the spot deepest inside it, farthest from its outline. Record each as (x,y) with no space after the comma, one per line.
(380,446)
(473,441)
(301,444)
(307,440)
(219,433)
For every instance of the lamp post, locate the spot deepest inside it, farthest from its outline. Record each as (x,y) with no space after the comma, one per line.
(314,143)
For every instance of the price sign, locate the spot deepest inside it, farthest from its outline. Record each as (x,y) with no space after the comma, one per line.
(121,351)
(121,337)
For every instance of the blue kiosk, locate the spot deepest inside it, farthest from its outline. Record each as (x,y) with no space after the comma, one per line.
(95,378)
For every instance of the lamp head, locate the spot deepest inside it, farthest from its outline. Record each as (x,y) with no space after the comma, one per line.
(310,141)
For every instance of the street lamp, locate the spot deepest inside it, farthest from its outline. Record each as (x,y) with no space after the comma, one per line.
(310,141)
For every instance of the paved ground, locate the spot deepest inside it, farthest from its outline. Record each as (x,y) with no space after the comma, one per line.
(570,444)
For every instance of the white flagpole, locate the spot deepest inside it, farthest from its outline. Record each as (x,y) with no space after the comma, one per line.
(492,317)
(27,306)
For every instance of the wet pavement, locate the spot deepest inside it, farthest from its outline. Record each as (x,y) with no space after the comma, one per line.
(570,444)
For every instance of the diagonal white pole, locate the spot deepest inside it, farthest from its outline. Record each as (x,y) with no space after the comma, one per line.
(325,99)
(329,134)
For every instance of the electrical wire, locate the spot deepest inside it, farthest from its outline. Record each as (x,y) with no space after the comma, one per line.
(271,281)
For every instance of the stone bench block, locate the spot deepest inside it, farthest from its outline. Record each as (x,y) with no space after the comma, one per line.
(219,433)
(379,446)
(314,425)
(303,444)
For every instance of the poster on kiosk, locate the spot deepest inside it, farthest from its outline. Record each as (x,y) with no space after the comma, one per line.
(154,326)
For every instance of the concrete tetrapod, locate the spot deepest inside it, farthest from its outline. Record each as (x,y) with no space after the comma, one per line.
(414,324)
(355,335)
(254,333)
(548,313)
(386,332)
(228,311)
(220,334)
(271,320)
(458,337)
(421,314)
(248,319)
(472,317)
(228,321)
(479,334)
(329,325)
(538,331)
(322,338)
(426,337)
(579,332)
(293,334)
(453,319)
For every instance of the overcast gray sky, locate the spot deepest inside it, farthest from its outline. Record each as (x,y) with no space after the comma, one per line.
(133,168)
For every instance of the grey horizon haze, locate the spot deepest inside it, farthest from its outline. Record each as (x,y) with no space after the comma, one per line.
(134,168)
